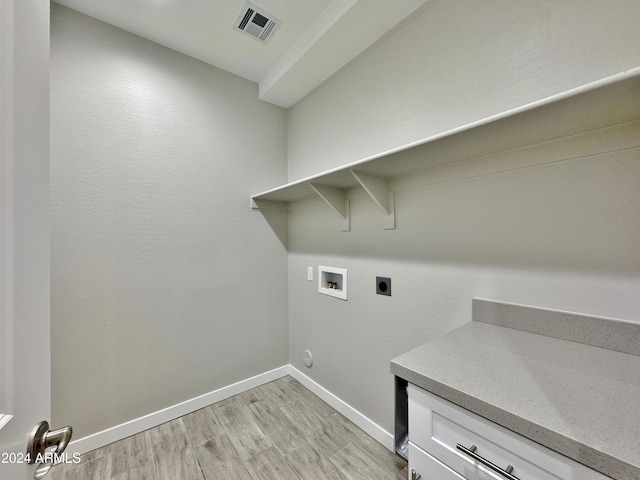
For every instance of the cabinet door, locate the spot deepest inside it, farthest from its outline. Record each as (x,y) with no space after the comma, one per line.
(423,466)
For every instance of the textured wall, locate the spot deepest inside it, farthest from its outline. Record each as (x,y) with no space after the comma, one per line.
(564,235)
(454,62)
(162,277)
(563,232)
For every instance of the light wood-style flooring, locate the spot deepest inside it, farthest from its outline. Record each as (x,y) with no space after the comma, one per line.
(278,431)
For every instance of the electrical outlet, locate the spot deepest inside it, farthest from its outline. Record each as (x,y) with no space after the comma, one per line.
(383,286)
(310,274)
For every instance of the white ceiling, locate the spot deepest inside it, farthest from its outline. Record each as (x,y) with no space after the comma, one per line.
(316,38)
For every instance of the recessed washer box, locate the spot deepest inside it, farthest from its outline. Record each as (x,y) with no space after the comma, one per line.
(332,281)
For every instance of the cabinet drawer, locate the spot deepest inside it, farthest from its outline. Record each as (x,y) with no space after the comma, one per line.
(427,467)
(438,426)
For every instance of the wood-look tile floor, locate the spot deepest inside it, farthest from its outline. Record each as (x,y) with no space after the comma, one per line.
(278,431)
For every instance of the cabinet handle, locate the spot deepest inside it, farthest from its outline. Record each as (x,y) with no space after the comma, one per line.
(415,475)
(471,451)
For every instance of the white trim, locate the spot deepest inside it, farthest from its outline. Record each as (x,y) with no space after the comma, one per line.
(7,140)
(113,434)
(365,423)
(4,419)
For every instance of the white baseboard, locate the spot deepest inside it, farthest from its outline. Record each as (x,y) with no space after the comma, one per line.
(113,434)
(365,423)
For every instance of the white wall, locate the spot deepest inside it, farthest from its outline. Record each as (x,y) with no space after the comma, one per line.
(454,62)
(163,280)
(562,231)
(165,285)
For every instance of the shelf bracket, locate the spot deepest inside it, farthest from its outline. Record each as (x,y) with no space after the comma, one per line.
(258,204)
(378,189)
(335,197)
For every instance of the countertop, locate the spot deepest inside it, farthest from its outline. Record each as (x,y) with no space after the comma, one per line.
(579,400)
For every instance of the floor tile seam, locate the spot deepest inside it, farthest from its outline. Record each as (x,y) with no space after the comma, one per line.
(195,455)
(202,475)
(182,453)
(222,423)
(375,466)
(321,456)
(282,458)
(146,452)
(344,472)
(165,437)
(375,458)
(337,468)
(209,439)
(252,454)
(209,412)
(273,435)
(308,442)
(271,431)
(93,461)
(346,446)
(152,461)
(236,463)
(256,422)
(247,431)
(155,470)
(294,471)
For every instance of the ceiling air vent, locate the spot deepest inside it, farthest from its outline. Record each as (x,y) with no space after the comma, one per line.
(256,23)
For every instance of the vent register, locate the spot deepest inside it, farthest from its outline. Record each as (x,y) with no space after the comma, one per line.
(256,23)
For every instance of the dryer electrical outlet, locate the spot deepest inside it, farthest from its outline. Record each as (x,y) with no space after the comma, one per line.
(383,286)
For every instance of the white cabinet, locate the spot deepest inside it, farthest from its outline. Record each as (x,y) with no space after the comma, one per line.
(439,433)
(424,467)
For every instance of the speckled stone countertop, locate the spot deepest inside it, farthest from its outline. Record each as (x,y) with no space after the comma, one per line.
(580,400)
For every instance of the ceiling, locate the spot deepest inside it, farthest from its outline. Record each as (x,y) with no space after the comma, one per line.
(316,37)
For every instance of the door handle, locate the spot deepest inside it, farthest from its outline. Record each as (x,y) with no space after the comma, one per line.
(471,451)
(40,439)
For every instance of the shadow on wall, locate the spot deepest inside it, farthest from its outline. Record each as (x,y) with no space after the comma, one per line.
(276,217)
(580,214)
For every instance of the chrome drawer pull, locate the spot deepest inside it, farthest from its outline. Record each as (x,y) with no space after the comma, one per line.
(471,451)
(415,475)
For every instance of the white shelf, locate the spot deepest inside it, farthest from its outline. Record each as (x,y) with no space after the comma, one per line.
(611,101)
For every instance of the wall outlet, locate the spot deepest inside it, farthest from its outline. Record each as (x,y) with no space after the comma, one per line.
(383,286)
(310,274)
